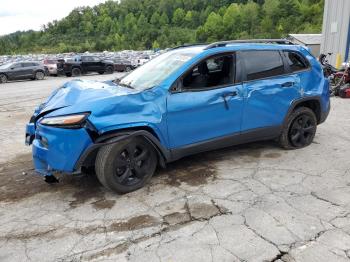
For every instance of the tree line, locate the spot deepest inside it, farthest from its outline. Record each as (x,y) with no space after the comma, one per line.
(146,24)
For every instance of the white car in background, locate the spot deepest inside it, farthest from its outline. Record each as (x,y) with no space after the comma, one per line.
(51,65)
(143,60)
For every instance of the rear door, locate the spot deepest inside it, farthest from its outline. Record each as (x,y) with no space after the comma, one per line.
(87,63)
(28,69)
(269,88)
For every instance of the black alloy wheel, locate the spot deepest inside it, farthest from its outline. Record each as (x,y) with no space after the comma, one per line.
(126,165)
(302,131)
(299,129)
(132,164)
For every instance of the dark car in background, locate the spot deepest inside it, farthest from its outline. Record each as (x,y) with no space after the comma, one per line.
(22,70)
(83,65)
(123,65)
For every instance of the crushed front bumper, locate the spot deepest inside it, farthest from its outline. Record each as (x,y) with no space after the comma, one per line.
(56,149)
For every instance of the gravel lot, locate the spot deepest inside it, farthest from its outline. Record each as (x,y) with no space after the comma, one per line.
(254,202)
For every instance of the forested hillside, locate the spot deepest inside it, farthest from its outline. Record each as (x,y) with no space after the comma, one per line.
(144,24)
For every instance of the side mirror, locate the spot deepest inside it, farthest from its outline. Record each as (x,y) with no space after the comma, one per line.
(176,87)
(12,68)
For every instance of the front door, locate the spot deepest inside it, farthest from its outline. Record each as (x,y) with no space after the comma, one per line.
(208,105)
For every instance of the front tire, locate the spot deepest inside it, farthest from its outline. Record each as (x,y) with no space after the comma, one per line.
(299,130)
(127,165)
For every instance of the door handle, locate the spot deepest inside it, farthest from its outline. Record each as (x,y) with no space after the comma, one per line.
(288,84)
(224,96)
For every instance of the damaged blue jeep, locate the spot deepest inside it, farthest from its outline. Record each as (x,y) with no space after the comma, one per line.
(188,100)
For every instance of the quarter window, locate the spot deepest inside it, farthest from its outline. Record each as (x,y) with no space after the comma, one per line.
(295,61)
(262,64)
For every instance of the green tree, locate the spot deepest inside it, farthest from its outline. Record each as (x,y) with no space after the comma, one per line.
(178,17)
(214,27)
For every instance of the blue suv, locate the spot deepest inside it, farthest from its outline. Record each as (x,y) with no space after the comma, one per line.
(188,100)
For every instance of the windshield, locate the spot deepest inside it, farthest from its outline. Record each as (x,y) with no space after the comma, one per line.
(5,66)
(157,70)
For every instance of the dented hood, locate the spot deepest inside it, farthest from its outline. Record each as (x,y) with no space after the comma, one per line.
(79,92)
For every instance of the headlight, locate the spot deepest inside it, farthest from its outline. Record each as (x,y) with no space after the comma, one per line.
(67,121)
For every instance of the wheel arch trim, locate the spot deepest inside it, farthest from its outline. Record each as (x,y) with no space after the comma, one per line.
(117,136)
(300,101)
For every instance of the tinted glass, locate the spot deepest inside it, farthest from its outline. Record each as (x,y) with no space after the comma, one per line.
(262,64)
(86,58)
(27,64)
(16,65)
(296,62)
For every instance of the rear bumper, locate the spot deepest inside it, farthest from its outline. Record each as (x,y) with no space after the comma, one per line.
(52,71)
(56,149)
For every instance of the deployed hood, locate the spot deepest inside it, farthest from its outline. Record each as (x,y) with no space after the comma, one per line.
(82,91)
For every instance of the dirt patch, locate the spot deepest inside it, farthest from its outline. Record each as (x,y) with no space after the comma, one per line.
(272,155)
(193,171)
(90,190)
(203,211)
(15,186)
(177,218)
(118,249)
(135,223)
(103,204)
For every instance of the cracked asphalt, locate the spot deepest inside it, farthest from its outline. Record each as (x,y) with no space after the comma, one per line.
(252,202)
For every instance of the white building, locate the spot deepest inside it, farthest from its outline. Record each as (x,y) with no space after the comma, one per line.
(336,30)
(312,41)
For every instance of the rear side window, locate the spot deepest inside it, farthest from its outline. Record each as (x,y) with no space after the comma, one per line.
(262,64)
(295,61)
(27,64)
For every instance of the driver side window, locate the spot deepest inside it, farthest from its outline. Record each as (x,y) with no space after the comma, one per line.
(214,72)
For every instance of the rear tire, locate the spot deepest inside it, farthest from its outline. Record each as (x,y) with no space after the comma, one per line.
(299,130)
(39,75)
(3,78)
(109,69)
(76,72)
(127,165)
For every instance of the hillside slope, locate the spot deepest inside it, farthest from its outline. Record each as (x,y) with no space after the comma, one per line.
(144,24)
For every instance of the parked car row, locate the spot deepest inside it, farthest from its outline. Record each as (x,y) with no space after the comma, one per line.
(70,64)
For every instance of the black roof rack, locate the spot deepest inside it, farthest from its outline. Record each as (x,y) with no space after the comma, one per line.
(265,41)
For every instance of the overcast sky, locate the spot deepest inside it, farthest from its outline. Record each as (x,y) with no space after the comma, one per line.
(32,14)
